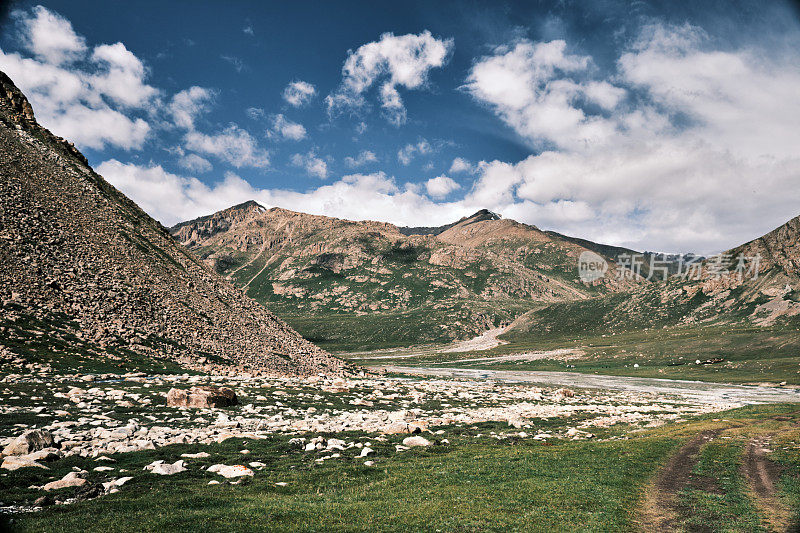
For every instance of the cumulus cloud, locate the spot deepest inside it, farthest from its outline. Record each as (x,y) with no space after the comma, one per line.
(299,93)
(702,158)
(195,163)
(233,145)
(171,198)
(91,97)
(50,37)
(286,129)
(441,186)
(407,153)
(186,105)
(461,165)
(534,88)
(393,61)
(364,157)
(313,165)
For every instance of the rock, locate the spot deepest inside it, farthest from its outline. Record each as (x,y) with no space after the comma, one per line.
(416,441)
(14,462)
(369,463)
(365,451)
(44,501)
(30,441)
(166,469)
(201,397)
(198,455)
(565,393)
(400,428)
(230,471)
(70,480)
(116,483)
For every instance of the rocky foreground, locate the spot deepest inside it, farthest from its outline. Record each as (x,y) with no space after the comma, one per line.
(364,418)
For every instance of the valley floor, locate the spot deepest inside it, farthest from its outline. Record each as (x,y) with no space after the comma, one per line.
(493,455)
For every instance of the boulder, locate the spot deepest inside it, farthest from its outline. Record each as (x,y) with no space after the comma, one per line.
(70,480)
(14,462)
(165,469)
(30,441)
(564,393)
(201,397)
(229,471)
(416,441)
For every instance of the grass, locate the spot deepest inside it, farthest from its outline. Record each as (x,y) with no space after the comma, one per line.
(749,354)
(718,502)
(465,486)
(472,484)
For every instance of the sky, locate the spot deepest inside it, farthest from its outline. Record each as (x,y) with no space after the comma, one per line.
(663,126)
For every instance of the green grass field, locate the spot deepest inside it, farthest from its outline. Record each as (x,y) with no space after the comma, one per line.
(472,484)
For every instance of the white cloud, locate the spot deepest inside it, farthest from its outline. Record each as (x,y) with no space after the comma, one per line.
(407,153)
(50,37)
(233,145)
(299,93)
(170,198)
(441,186)
(393,61)
(195,163)
(704,157)
(534,87)
(364,157)
(461,165)
(122,76)
(186,105)
(94,104)
(312,164)
(286,129)
(255,113)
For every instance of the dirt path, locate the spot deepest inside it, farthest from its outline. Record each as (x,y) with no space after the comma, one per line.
(763,475)
(660,511)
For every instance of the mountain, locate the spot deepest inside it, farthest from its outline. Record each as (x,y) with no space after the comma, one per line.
(86,275)
(339,280)
(764,292)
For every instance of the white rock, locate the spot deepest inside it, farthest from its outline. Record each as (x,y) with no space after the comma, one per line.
(366,451)
(198,455)
(70,480)
(230,471)
(166,469)
(416,441)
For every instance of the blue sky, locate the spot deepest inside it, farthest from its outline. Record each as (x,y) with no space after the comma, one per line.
(656,125)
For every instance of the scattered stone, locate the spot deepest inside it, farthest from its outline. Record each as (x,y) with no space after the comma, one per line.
(30,441)
(14,462)
(198,455)
(416,441)
(70,480)
(201,397)
(365,451)
(166,469)
(565,393)
(230,471)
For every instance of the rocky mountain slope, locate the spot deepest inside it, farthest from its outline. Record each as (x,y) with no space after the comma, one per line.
(446,282)
(85,273)
(754,284)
